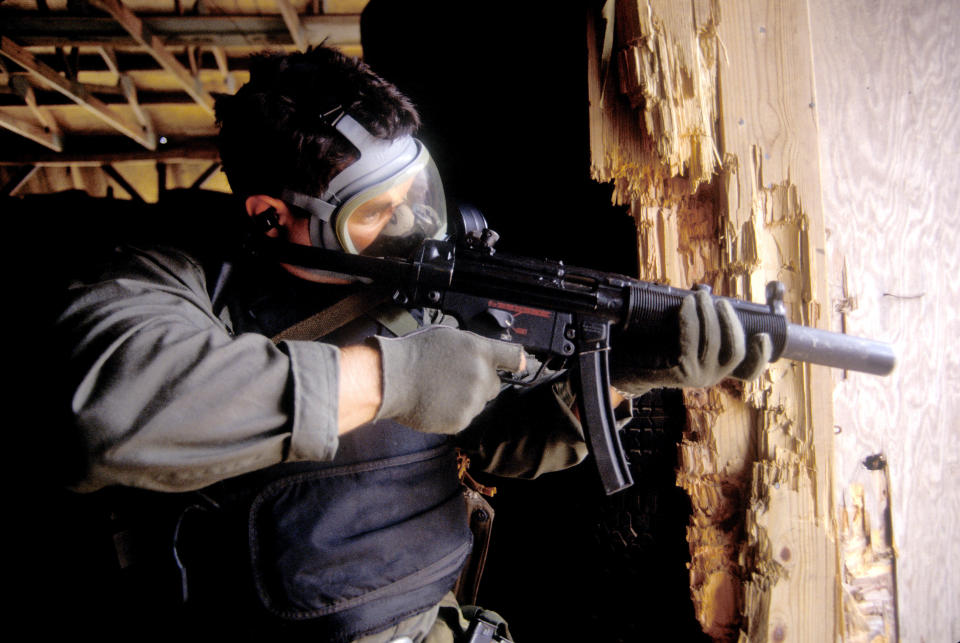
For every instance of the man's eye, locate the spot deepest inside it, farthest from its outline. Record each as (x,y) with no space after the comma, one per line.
(376,215)
(369,216)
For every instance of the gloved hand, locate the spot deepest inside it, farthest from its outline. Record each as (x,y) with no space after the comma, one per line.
(711,347)
(437,379)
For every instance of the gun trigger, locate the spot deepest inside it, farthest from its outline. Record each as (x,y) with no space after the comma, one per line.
(501,317)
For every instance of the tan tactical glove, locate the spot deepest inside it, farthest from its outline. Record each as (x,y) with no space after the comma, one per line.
(437,379)
(711,348)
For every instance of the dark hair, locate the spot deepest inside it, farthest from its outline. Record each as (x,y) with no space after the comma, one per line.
(273,131)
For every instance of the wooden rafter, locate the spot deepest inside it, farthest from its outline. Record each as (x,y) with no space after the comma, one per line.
(34,132)
(156,48)
(49,135)
(20,86)
(69,61)
(109,57)
(109,94)
(111,171)
(193,59)
(199,150)
(223,64)
(294,26)
(130,92)
(218,31)
(18,180)
(77,92)
(205,176)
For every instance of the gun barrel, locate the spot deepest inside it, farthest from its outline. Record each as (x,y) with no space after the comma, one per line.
(838,350)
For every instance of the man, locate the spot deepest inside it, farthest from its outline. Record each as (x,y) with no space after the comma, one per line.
(309,487)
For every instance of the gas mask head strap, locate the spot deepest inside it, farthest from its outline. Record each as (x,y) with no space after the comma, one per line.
(379,160)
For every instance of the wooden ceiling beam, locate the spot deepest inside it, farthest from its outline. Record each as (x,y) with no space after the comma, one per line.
(203,149)
(18,180)
(130,92)
(93,60)
(223,64)
(24,89)
(109,57)
(157,48)
(34,30)
(109,94)
(294,26)
(205,176)
(36,133)
(193,59)
(77,92)
(69,61)
(111,171)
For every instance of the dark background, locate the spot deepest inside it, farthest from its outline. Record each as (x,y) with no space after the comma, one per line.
(502,91)
(503,99)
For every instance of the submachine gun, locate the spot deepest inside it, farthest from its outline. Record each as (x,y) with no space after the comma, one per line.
(561,313)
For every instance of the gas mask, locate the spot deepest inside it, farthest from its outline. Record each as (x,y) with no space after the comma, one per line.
(384,204)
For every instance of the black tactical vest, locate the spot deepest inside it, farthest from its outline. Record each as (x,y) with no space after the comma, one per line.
(356,544)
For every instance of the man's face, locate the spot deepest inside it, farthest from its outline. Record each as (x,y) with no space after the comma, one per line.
(368,221)
(365,225)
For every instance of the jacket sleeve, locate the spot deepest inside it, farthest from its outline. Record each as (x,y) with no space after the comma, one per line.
(165,397)
(526,432)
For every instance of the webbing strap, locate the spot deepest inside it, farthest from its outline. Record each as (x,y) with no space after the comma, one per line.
(397,320)
(330,319)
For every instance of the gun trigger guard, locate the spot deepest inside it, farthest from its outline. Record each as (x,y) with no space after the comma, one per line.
(502,318)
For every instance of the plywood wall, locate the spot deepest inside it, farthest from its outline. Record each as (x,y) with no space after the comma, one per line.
(888,103)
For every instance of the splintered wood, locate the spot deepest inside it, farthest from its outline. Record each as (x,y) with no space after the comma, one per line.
(697,88)
(868,556)
(773,223)
(665,62)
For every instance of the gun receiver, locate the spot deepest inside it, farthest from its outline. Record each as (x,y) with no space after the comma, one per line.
(571,314)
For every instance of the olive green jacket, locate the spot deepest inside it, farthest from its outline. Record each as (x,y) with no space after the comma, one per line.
(166,396)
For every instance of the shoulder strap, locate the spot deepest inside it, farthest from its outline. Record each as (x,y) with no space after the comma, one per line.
(330,319)
(374,303)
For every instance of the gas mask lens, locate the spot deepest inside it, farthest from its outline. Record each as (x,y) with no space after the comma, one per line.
(393,217)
